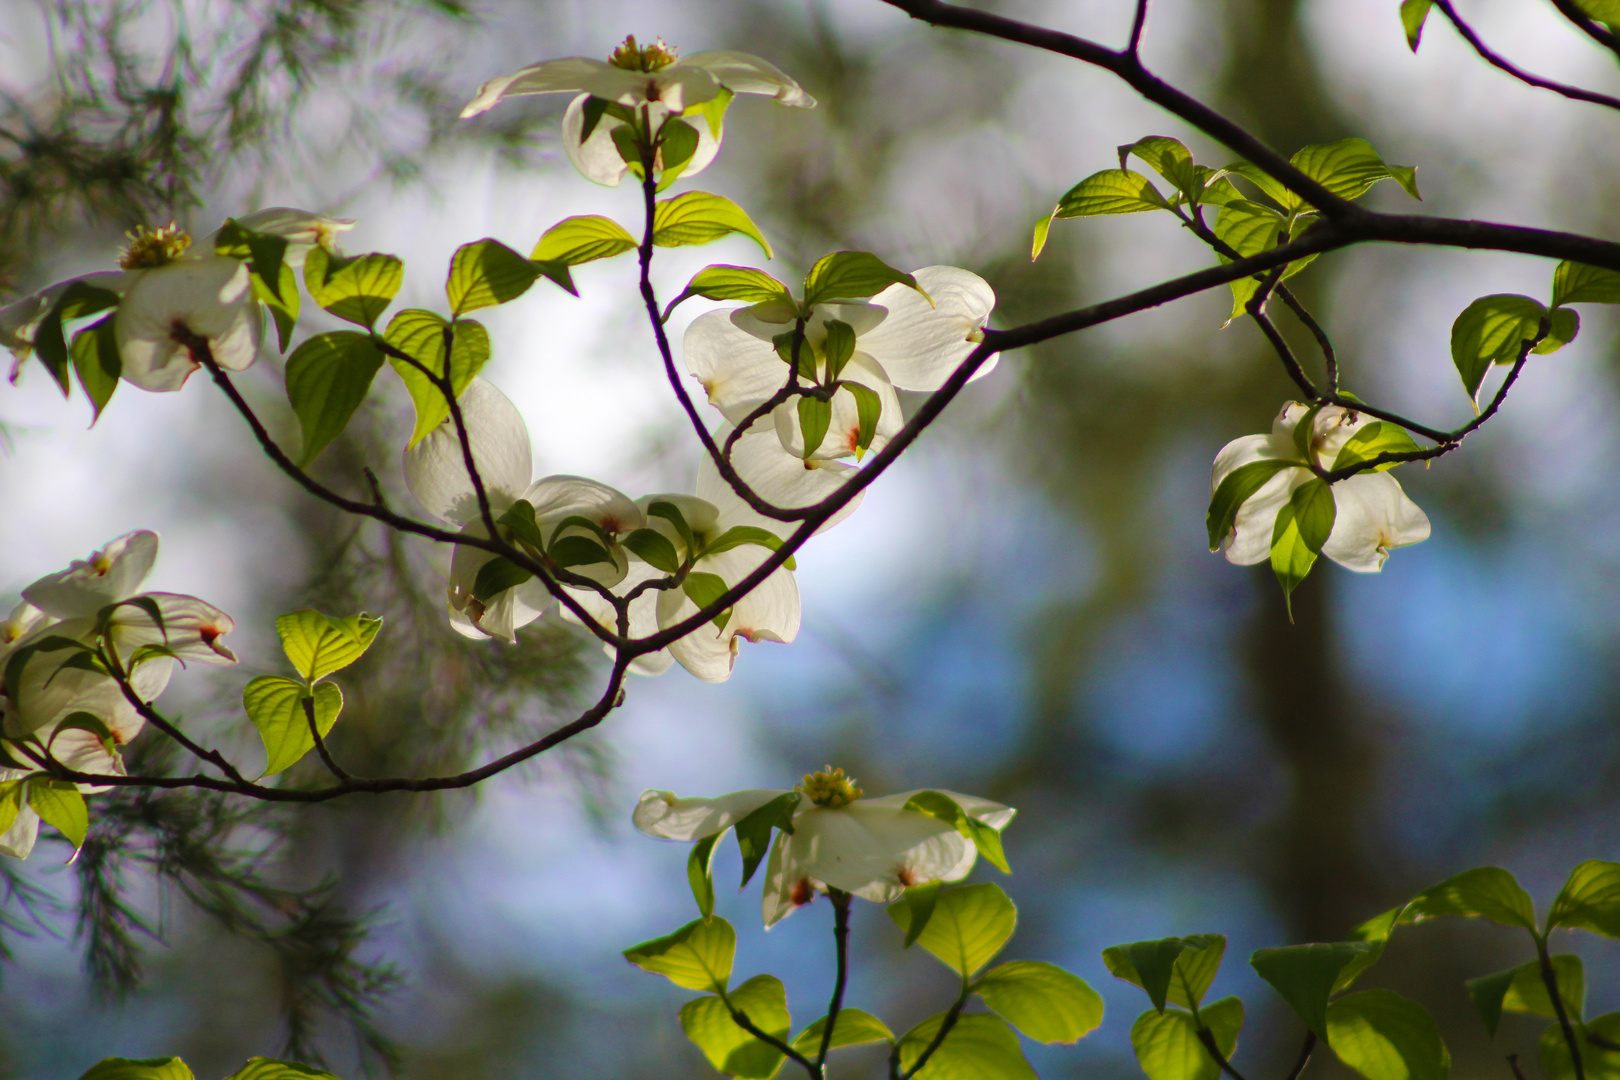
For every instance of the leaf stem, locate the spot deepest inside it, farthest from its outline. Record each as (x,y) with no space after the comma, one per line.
(742,1021)
(1207,1037)
(320,743)
(1549,979)
(840,904)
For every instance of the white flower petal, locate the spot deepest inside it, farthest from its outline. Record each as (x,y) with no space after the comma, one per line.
(680,86)
(643,616)
(775,475)
(24,619)
(597,158)
(876,852)
(768,613)
(787,886)
(557,76)
(502,615)
(1249,542)
(19,320)
(557,497)
(301,229)
(744,73)
(663,814)
(18,840)
(436,470)
(1372,515)
(843,432)
(993,814)
(737,369)
(114,573)
(191,628)
(210,297)
(919,344)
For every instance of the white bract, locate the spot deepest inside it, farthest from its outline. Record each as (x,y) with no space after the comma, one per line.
(654,85)
(871,848)
(1372,515)
(901,341)
(436,472)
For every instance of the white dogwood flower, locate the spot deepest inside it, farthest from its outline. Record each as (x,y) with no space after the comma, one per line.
(901,341)
(654,85)
(1372,515)
(436,472)
(871,848)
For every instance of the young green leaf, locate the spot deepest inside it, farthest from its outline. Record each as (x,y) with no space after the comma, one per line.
(721,282)
(1236,489)
(698,956)
(851,275)
(700,872)
(1523,990)
(79,300)
(1042,228)
(1178,970)
(754,831)
(1168,157)
(839,346)
(1577,283)
(698,217)
(1413,14)
(276,706)
(653,548)
(1349,167)
(868,410)
(583,239)
(677,141)
(729,1048)
(97,363)
(1302,528)
(672,514)
(704,589)
(1487,892)
(262,1068)
(496,576)
(970,924)
(1492,330)
(1042,1000)
(815,416)
(978,1047)
(1589,900)
(920,901)
(170,1068)
(1307,975)
(1378,437)
(355,288)
(1112,191)
(420,335)
(487,272)
(13,795)
(1598,1038)
(739,535)
(319,644)
(1167,1044)
(576,550)
(58,803)
(328,376)
(853,1028)
(937,804)
(1384,1036)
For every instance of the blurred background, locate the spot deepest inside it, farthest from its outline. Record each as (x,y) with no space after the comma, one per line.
(1023,608)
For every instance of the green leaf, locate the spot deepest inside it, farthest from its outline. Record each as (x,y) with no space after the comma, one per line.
(12,795)
(1170,158)
(815,416)
(698,956)
(496,576)
(1589,900)
(276,706)
(583,239)
(920,901)
(1577,283)
(262,1068)
(1384,1036)
(722,282)
(936,804)
(328,376)
(1413,13)
(739,535)
(851,275)
(728,1047)
(1349,167)
(169,1068)
(704,589)
(713,112)
(319,644)
(1601,1061)
(1042,228)
(420,334)
(97,363)
(700,872)
(1301,530)
(677,141)
(59,803)
(283,311)
(1607,11)
(970,924)
(1562,326)
(868,409)
(1307,975)
(1043,1001)
(653,548)
(356,288)
(978,1047)
(1487,892)
(1378,437)
(1178,969)
(1112,191)
(754,830)
(698,217)
(1167,1045)
(576,550)
(1523,990)
(853,1028)
(1492,330)
(487,272)
(1236,489)
(839,346)
(77,301)
(1250,228)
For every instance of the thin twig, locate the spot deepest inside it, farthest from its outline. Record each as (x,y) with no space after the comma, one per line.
(840,905)
(945,1027)
(320,743)
(1207,1037)
(1549,979)
(742,1021)
(1513,1063)
(1304,1055)
(1138,21)
(1570,10)
(1497,60)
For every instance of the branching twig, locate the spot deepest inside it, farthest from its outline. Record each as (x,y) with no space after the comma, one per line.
(767,1038)
(1497,60)
(945,1027)
(320,743)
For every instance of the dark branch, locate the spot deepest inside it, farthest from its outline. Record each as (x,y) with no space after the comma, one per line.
(1497,60)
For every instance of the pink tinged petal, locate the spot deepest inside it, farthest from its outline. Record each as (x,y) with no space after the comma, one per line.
(18,841)
(597,158)
(663,814)
(744,73)
(499,616)
(738,370)
(1334,427)
(1372,516)
(775,475)
(24,619)
(436,470)
(769,613)
(19,320)
(82,751)
(788,887)
(557,76)
(1250,539)
(876,852)
(919,344)
(48,693)
(209,297)
(557,497)
(114,573)
(843,433)
(1282,431)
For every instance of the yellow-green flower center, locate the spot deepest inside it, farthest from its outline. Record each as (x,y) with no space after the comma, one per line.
(631,58)
(149,248)
(830,787)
